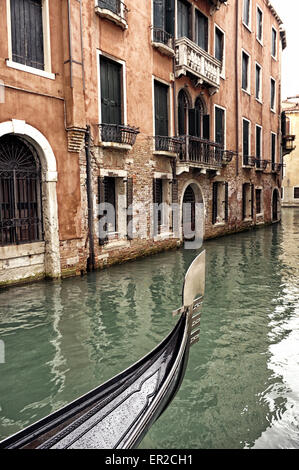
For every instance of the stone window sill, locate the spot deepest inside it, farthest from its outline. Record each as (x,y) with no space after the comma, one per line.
(26,68)
(110,15)
(163,48)
(116,145)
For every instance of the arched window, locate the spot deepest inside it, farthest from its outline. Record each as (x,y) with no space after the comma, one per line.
(192,121)
(20,192)
(183,107)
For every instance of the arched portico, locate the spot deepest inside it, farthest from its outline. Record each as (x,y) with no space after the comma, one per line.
(47,159)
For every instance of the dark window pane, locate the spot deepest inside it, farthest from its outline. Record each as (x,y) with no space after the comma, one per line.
(183,19)
(258,142)
(273,148)
(246,11)
(182,112)
(219,126)
(219,42)
(274,42)
(109,198)
(159,13)
(259,24)
(258,200)
(272,94)
(201,30)
(27,32)
(245,63)
(245,139)
(161,109)
(110,91)
(296,193)
(258,82)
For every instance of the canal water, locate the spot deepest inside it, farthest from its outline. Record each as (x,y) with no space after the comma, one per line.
(241,388)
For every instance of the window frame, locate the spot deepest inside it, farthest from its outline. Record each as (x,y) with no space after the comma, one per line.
(193,20)
(249,139)
(257,126)
(261,212)
(222,73)
(276,147)
(169,105)
(247,90)
(47,71)
(276,37)
(190,20)
(260,98)
(248,26)
(272,80)
(260,40)
(294,191)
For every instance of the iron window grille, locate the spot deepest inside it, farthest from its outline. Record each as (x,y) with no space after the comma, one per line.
(115,6)
(118,133)
(167,144)
(163,37)
(20,193)
(249,160)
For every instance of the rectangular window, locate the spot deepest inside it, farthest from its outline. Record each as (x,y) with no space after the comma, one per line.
(163,20)
(247,201)
(27,36)
(220,126)
(273,150)
(258,82)
(161,108)
(258,201)
(107,195)
(273,94)
(281,193)
(274,43)
(259,25)
(158,200)
(296,193)
(246,141)
(246,12)
(183,12)
(111,91)
(245,71)
(201,30)
(258,142)
(219,47)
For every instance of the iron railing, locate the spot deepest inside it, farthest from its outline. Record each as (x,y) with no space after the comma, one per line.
(115,6)
(261,164)
(249,160)
(118,133)
(163,37)
(227,156)
(167,144)
(196,150)
(276,167)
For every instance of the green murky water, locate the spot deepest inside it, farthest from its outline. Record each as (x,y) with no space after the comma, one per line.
(241,388)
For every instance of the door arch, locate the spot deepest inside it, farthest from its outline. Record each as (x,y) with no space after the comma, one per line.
(192,212)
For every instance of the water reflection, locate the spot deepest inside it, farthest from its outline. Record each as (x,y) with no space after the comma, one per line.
(241,388)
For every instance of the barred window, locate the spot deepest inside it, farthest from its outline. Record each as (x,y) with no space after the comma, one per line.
(20,192)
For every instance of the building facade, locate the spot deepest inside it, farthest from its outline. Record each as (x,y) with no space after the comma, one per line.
(290,139)
(130,106)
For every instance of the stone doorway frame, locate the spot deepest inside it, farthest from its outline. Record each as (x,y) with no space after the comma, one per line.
(49,195)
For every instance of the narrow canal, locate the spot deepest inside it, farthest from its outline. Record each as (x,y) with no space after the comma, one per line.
(241,388)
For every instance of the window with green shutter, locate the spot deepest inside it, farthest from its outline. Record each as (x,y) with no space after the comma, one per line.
(201,30)
(111,102)
(184,20)
(161,109)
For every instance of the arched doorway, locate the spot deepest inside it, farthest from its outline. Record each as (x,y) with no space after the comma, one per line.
(28,201)
(275,206)
(188,214)
(21,218)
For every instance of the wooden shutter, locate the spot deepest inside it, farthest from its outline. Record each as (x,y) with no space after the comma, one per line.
(244,201)
(111,105)
(206,127)
(215,202)
(161,109)
(183,19)
(170,16)
(219,42)
(245,60)
(129,204)
(159,13)
(181,113)
(245,140)
(27,32)
(273,148)
(226,203)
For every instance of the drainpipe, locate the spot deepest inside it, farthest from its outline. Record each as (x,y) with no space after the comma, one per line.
(91,258)
(237,86)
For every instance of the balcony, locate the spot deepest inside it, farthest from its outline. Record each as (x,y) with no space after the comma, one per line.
(199,153)
(163,41)
(118,136)
(261,165)
(227,156)
(276,167)
(113,10)
(167,146)
(193,60)
(249,161)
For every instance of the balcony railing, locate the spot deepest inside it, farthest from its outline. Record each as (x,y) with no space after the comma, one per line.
(249,161)
(115,10)
(200,151)
(193,60)
(261,165)
(227,156)
(163,41)
(276,167)
(167,144)
(118,134)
